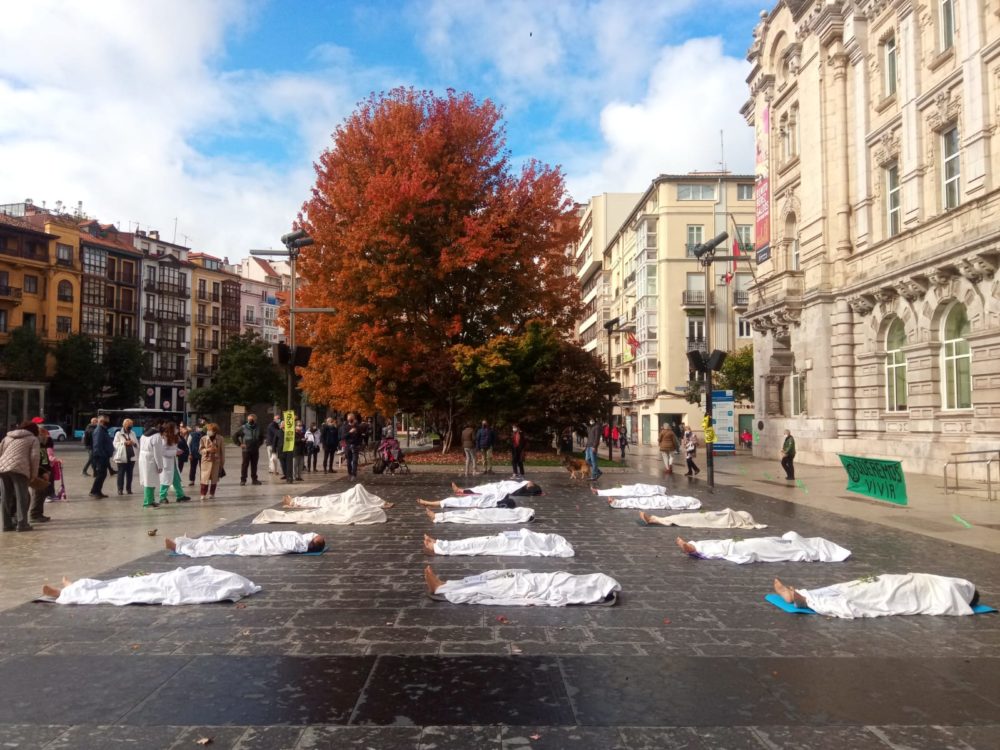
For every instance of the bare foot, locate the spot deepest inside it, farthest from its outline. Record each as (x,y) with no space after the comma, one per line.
(646,517)
(593,489)
(610,500)
(686,547)
(170,544)
(433,582)
(430,515)
(789,594)
(285,501)
(428,544)
(456,489)
(427,503)
(386,505)
(50,591)
(66,582)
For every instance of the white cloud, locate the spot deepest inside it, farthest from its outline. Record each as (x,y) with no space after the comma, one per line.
(111,110)
(694,92)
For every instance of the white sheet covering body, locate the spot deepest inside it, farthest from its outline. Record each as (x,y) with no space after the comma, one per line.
(713,519)
(520,543)
(879,596)
(246,545)
(486,515)
(472,501)
(198,584)
(657,502)
(790,547)
(502,488)
(524,588)
(353,506)
(634,490)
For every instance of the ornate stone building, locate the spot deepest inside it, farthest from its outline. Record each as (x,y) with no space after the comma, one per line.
(877,312)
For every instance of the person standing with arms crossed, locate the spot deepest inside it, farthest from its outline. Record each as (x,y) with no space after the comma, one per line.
(486,438)
(249,438)
(352,443)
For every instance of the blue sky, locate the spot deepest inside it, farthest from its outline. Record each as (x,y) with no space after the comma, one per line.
(213,112)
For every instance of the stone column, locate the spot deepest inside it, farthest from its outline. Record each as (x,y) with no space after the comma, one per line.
(976,138)
(842,359)
(840,193)
(910,168)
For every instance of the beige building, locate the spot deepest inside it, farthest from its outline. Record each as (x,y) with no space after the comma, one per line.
(599,218)
(658,291)
(877,317)
(216,316)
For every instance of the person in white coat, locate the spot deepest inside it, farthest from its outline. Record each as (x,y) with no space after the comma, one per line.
(150,463)
(169,473)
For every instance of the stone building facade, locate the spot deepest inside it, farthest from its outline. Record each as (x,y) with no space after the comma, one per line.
(877,312)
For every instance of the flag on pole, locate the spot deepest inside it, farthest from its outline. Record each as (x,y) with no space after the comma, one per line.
(633,343)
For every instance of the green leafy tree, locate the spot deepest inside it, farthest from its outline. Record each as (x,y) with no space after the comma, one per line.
(24,356)
(78,377)
(737,374)
(124,363)
(246,375)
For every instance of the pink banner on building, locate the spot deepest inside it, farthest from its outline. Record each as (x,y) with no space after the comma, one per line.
(762,191)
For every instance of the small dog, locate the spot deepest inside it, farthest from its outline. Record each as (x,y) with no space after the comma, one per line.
(577,467)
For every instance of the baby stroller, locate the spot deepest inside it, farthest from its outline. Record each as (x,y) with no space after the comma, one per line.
(389,457)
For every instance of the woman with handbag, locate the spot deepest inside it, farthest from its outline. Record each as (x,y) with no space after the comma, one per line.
(213,460)
(19,459)
(126,450)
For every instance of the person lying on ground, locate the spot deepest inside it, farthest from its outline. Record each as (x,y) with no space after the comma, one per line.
(887,594)
(709,519)
(248,545)
(524,588)
(356,494)
(655,502)
(518,488)
(483,515)
(520,543)
(353,506)
(631,490)
(470,501)
(789,547)
(198,584)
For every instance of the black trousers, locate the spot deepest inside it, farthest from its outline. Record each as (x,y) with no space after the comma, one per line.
(692,466)
(125,471)
(352,459)
(250,458)
(788,464)
(101,466)
(517,461)
(195,462)
(329,453)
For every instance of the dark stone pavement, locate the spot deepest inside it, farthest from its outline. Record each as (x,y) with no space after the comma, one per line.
(344,650)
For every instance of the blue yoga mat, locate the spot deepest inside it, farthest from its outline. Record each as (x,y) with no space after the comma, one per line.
(171,553)
(777,601)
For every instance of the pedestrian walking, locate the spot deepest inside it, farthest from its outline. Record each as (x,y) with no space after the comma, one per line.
(590,449)
(213,460)
(88,443)
(42,487)
(623,439)
(788,456)
(469,446)
(169,474)
(691,452)
(194,437)
(518,446)
(150,462)
(126,451)
(328,439)
(102,451)
(183,449)
(19,461)
(249,438)
(668,445)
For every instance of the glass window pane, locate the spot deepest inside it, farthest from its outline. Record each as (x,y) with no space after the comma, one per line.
(964,382)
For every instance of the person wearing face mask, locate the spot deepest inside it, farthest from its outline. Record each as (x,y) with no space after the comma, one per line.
(518,443)
(213,459)
(249,439)
(352,438)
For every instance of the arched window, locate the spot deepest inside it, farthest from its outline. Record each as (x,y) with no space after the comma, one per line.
(895,367)
(64,291)
(956,360)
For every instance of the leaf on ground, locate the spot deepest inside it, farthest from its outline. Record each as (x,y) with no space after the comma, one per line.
(502,619)
(666,620)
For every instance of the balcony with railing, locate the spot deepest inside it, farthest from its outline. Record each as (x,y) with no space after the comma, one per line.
(741,297)
(696,344)
(206,369)
(64,262)
(167,374)
(171,345)
(167,287)
(149,341)
(64,297)
(37,254)
(645,391)
(123,277)
(626,395)
(249,320)
(207,296)
(693,298)
(201,345)
(125,306)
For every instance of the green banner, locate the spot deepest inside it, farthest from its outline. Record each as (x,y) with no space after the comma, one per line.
(288,420)
(876,478)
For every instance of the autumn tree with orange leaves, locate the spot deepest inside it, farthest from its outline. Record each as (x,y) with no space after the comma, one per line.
(426,239)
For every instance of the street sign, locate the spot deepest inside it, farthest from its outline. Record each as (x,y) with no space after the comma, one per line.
(724,418)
